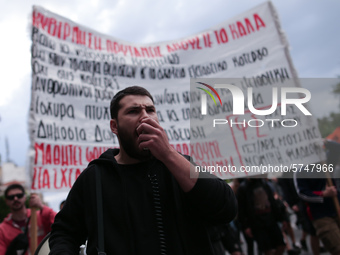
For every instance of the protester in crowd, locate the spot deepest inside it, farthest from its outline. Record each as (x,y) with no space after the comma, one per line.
(308,229)
(232,236)
(14,228)
(235,184)
(153,200)
(287,230)
(289,195)
(225,238)
(231,239)
(320,190)
(321,209)
(216,233)
(298,207)
(259,215)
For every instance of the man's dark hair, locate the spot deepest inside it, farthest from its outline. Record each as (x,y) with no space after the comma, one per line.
(134,90)
(14,186)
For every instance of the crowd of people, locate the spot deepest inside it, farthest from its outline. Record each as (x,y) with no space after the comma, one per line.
(267,208)
(146,198)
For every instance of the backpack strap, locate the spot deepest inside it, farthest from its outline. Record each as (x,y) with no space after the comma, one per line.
(26,228)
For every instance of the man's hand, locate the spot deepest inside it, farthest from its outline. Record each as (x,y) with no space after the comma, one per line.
(153,137)
(330,191)
(35,201)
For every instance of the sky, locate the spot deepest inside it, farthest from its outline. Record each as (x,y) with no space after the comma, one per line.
(311,27)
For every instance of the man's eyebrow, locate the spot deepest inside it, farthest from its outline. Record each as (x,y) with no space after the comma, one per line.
(150,107)
(136,107)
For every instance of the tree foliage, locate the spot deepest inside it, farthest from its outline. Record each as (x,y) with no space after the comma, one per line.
(336,89)
(4,210)
(331,122)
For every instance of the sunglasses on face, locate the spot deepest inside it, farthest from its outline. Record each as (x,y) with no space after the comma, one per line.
(11,197)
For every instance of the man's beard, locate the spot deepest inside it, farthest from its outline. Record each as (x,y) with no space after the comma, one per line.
(128,143)
(17,207)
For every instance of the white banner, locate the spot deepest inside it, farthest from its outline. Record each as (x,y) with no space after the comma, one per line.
(76,71)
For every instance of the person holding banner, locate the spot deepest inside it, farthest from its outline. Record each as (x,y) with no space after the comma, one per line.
(14,228)
(152,200)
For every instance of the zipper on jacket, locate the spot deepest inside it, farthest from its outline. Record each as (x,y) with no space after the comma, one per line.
(158,212)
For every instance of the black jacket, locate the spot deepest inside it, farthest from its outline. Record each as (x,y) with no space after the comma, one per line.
(210,202)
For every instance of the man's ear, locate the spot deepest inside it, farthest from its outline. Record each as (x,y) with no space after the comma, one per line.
(114,126)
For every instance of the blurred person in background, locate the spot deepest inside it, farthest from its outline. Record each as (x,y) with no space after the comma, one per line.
(321,209)
(259,215)
(14,234)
